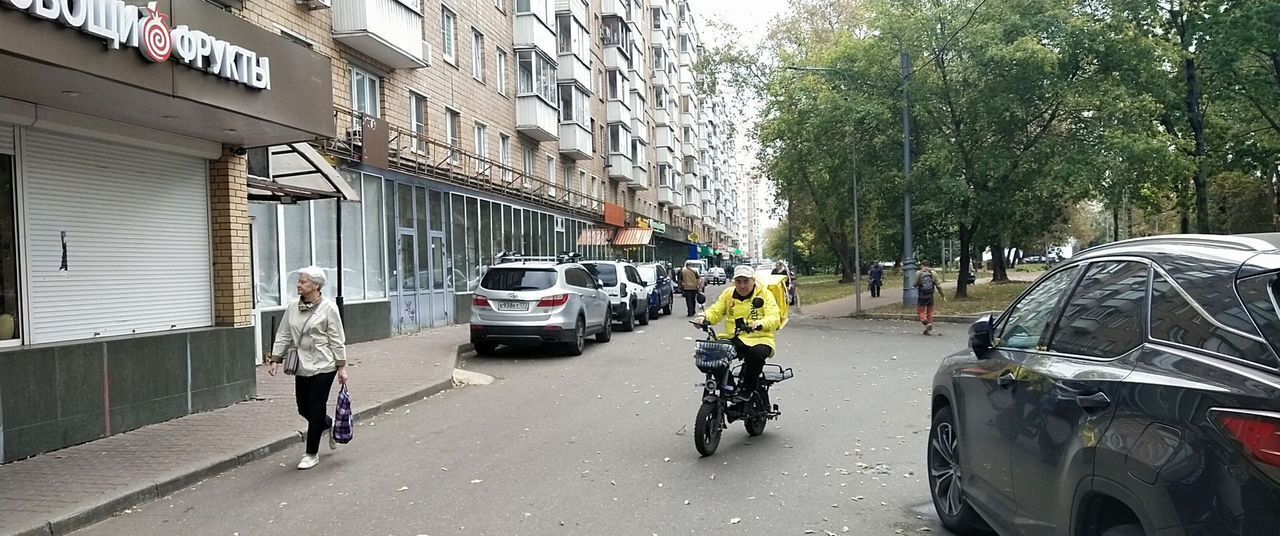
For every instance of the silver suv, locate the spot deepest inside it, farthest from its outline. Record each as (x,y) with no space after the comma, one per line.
(628,292)
(540,301)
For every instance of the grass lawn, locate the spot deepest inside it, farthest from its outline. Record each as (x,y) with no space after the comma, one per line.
(982,298)
(819,289)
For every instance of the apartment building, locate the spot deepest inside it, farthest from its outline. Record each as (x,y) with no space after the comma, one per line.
(398,144)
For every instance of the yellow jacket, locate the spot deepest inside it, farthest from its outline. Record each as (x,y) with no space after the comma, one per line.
(729,309)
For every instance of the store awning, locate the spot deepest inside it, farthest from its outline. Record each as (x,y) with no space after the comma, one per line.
(299,173)
(633,237)
(596,236)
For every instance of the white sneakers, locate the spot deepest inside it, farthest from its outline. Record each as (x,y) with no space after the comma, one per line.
(309,461)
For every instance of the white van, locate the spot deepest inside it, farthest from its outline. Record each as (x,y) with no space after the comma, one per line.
(698,265)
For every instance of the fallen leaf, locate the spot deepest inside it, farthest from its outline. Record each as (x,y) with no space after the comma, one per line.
(735,521)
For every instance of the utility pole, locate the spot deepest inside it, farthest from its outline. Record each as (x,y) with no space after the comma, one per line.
(908,254)
(857,238)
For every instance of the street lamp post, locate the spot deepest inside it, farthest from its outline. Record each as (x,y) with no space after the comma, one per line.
(908,251)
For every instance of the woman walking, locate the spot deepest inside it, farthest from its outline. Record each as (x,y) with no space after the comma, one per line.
(312,328)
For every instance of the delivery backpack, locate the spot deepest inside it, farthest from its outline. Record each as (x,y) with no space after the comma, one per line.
(776,285)
(926,284)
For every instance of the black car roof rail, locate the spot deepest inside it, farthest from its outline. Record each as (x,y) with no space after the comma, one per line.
(513,257)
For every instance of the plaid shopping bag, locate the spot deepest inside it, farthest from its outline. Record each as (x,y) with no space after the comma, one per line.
(344,422)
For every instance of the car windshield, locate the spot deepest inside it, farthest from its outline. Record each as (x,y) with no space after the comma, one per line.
(606,272)
(648,273)
(516,279)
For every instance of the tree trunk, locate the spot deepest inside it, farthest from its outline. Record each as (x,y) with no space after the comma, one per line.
(998,271)
(1115,225)
(845,254)
(966,263)
(1195,119)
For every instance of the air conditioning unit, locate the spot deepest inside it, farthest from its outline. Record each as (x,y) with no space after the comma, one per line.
(312,5)
(428,53)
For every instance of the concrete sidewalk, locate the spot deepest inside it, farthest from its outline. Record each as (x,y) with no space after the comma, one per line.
(891,293)
(64,490)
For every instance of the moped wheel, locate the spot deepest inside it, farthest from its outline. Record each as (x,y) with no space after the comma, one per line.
(706,429)
(759,418)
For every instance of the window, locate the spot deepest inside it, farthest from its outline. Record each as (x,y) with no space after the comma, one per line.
(297,241)
(594,148)
(418,120)
(573,105)
(617,136)
(617,84)
(551,175)
(524,6)
(477,55)
(657,18)
(448,35)
(579,278)
(537,75)
(1027,321)
(616,34)
(1261,296)
(1175,320)
(529,164)
(365,92)
(1102,317)
(504,152)
(564,34)
(453,134)
(659,59)
(482,146)
(567,176)
(266,252)
(684,44)
(501,80)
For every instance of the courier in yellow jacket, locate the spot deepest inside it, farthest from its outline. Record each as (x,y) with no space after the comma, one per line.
(736,303)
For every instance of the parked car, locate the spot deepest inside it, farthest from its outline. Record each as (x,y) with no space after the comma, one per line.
(716,276)
(661,288)
(539,303)
(1133,389)
(628,295)
(1033,259)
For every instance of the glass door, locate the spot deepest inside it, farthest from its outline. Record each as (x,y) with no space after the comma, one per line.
(406,300)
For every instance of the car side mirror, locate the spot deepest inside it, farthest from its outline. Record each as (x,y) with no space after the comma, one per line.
(599,284)
(981,335)
(702,298)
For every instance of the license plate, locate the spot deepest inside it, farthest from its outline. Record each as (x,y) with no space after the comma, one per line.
(512,306)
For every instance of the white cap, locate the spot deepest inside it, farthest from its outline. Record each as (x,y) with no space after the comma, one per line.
(744,270)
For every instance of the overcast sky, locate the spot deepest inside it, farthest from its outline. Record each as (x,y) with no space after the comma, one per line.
(751,18)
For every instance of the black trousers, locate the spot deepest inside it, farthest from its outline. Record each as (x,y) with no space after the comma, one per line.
(313,399)
(753,358)
(875,289)
(691,300)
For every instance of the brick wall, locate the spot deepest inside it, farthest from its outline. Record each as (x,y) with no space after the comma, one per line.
(232,270)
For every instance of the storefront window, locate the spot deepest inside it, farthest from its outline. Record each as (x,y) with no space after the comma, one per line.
(516,228)
(10,327)
(266,252)
(374,268)
(485,236)
(326,232)
(457,239)
(439,216)
(507,243)
(473,244)
(297,245)
(352,249)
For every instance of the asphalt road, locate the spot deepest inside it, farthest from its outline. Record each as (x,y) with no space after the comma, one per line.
(602,444)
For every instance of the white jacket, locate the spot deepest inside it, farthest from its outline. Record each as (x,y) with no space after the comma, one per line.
(318,336)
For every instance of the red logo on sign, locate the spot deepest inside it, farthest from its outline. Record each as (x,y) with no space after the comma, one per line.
(157,42)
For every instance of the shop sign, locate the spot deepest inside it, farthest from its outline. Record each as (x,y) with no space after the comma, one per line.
(147,29)
(693,236)
(642,222)
(615,215)
(658,227)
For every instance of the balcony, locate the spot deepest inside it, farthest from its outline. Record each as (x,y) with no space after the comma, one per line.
(620,167)
(664,155)
(667,196)
(619,8)
(575,141)
(537,119)
(660,78)
(571,68)
(533,30)
(615,57)
(661,117)
(689,119)
(691,208)
(639,177)
(575,7)
(639,129)
(689,147)
(619,112)
(386,30)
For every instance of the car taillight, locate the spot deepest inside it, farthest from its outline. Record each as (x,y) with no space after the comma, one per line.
(554,301)
(1257,435)
(480,301)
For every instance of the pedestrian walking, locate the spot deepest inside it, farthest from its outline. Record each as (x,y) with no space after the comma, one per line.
(312,343)
(877,279)
(926,285)
(690,286)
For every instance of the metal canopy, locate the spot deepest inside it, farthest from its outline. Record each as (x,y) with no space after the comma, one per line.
(299,173)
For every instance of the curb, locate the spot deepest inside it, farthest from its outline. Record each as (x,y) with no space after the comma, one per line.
(950,319)
(109,506)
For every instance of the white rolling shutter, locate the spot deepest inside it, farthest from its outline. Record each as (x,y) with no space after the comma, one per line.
(136,227)
(6,139)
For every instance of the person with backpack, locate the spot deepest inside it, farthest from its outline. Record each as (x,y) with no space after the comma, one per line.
(690,285)
(926,284)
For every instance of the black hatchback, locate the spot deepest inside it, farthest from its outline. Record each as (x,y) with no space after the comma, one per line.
(1134,389)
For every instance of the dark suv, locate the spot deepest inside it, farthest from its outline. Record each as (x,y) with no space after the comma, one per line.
(1134,389)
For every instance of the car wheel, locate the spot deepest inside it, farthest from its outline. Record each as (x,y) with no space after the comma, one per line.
(1124,530)
(655,313)
(667,310)
(485,348)
(606,332)
(628,319)
(945,484)
(579,338)
(644,315)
